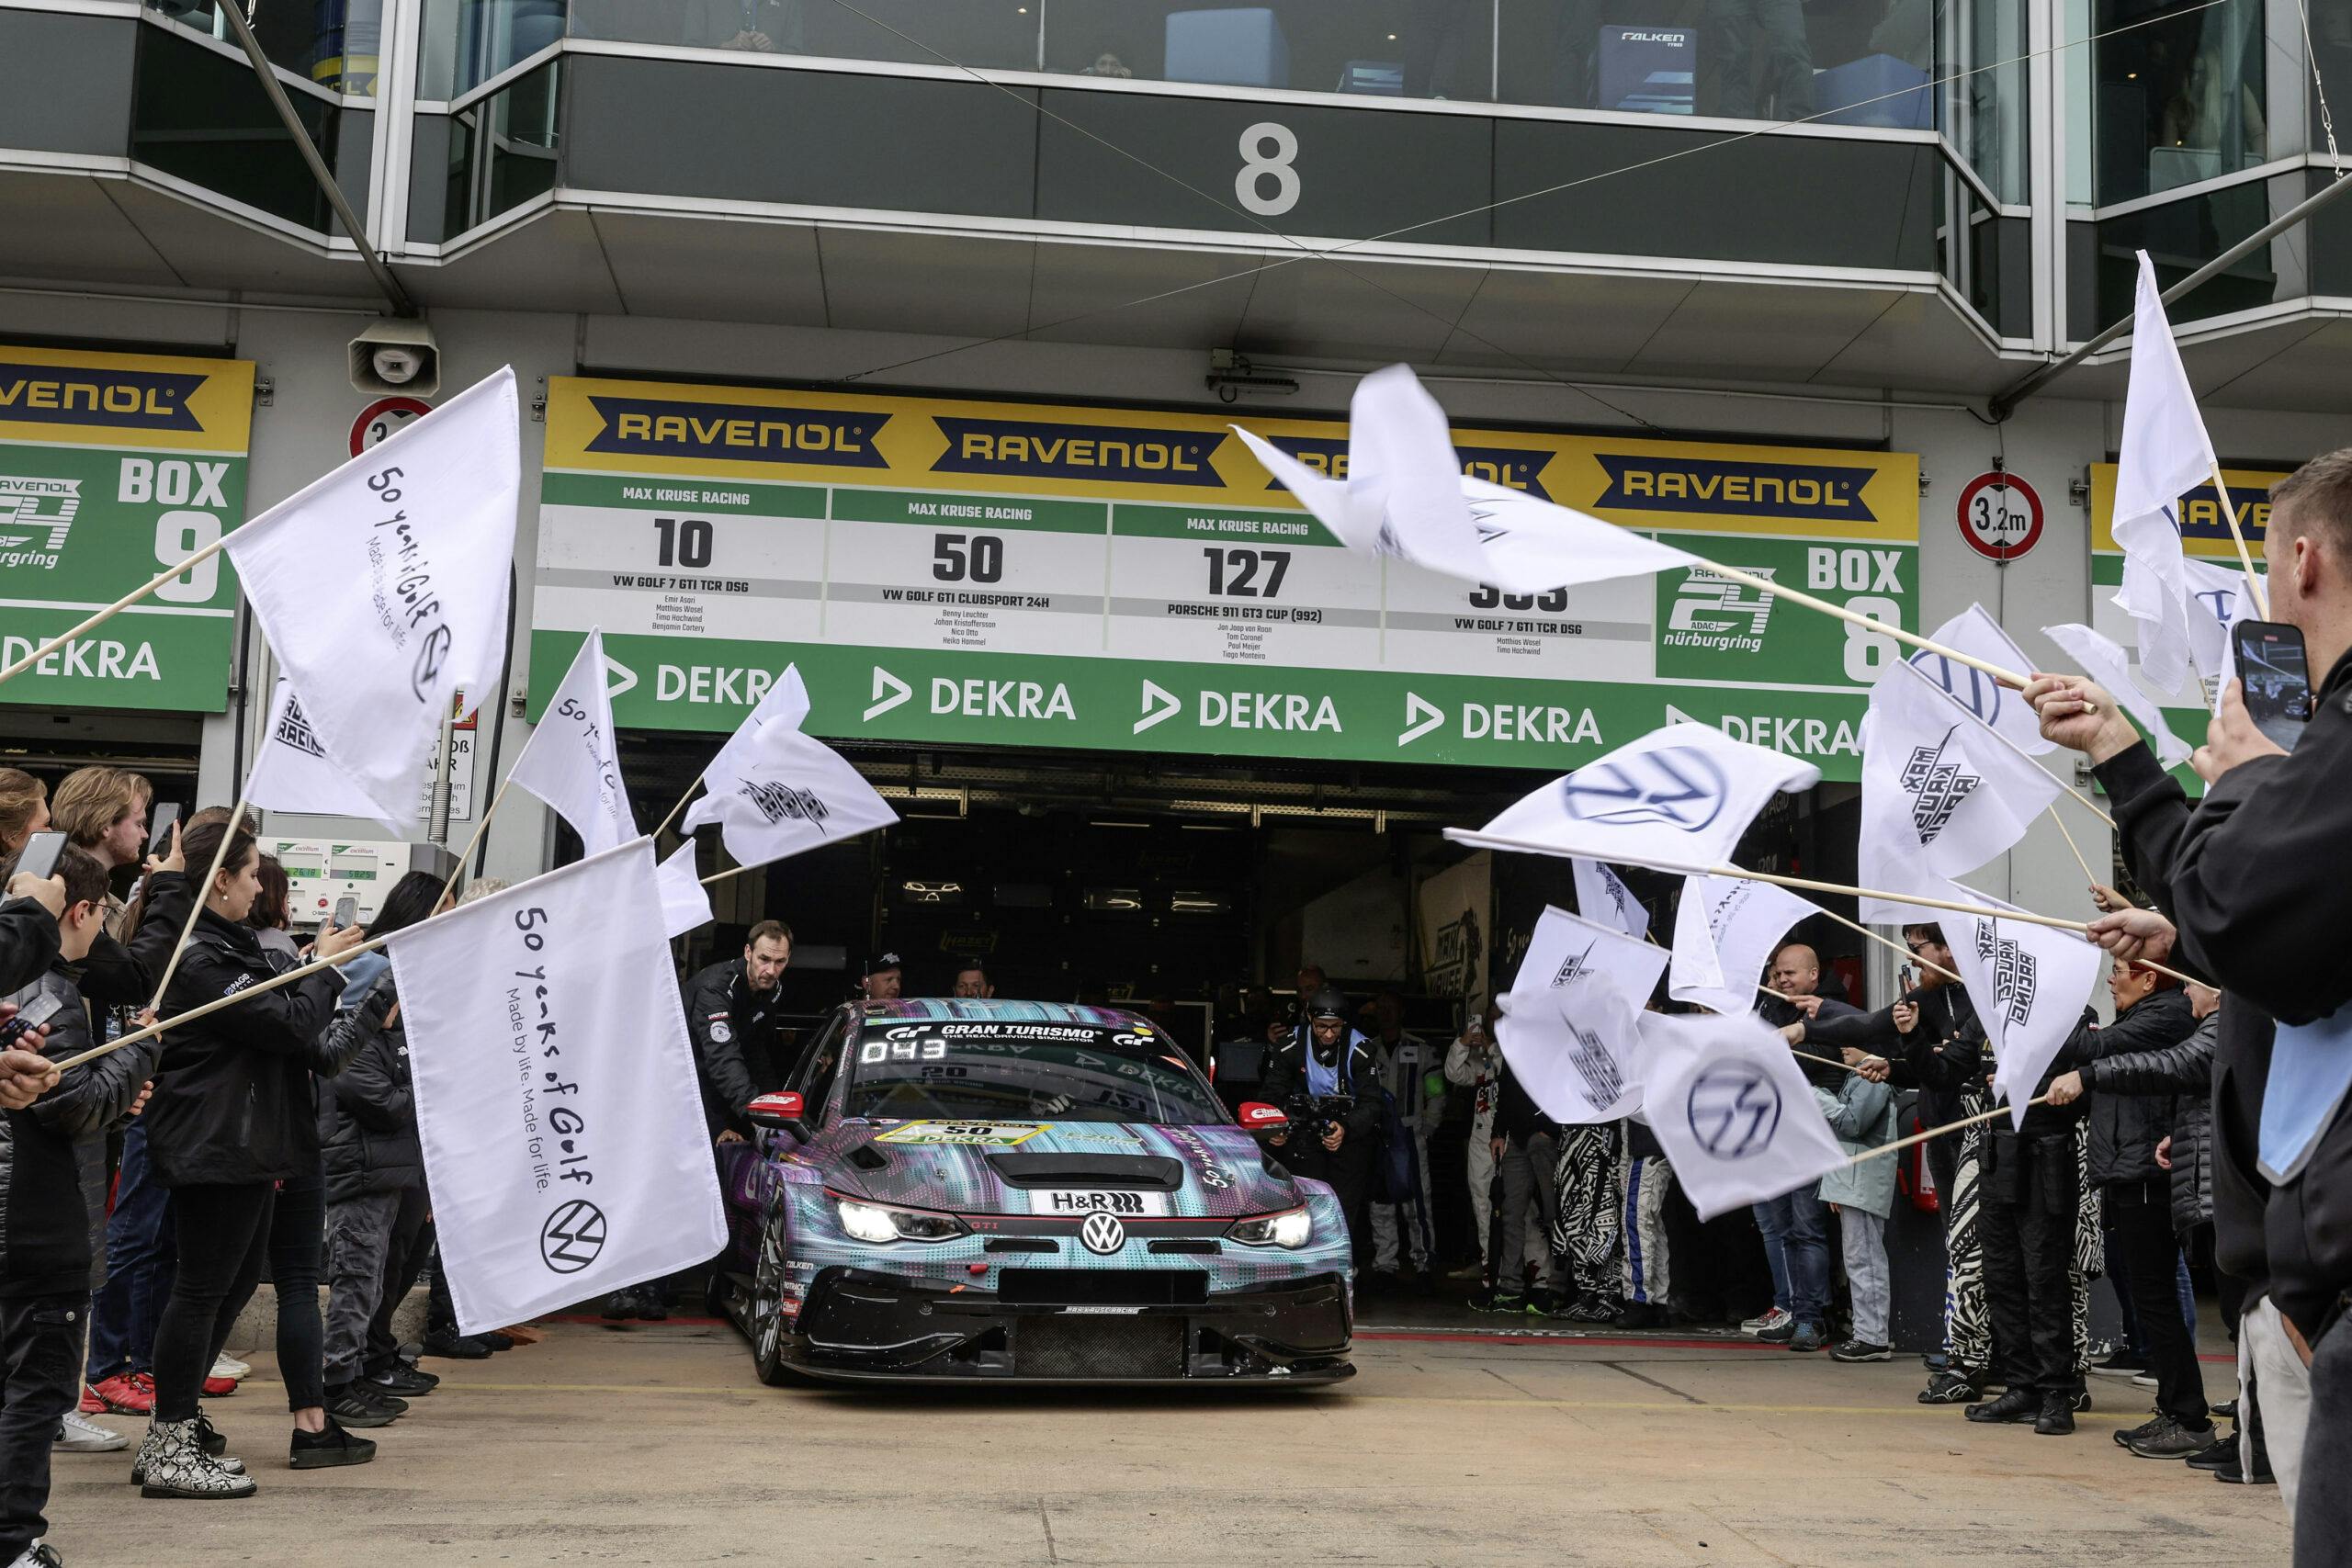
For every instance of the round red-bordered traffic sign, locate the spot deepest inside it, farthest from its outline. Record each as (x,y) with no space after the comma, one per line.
(382,417)
(2000,515)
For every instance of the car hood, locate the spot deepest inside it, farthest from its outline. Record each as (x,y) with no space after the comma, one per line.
(1054,1167)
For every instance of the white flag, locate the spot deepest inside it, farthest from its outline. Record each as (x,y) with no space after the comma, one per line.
(572,760)
(775,792)
(382,587)
(291,772)
(1724,930)
(556,1095)
(2108,665)
(2217,603)
(685,902)
(1961,797)
(2030,984)
(1601,895)
(1978,635)
(1573,1016)
(1406,496)
(1677,800)
(1736,1119)
(2164,455)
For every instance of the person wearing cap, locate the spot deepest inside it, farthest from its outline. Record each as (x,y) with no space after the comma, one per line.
(1328,1064)
(884,979)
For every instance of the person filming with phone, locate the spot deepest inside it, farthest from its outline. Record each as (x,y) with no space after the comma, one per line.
(2254,880)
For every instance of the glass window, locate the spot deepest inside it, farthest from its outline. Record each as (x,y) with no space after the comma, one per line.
(2178,98)
(203,116)
(986,1069)
(466,42)
(503,150)
(331,42)
(2331,51)
(990,34)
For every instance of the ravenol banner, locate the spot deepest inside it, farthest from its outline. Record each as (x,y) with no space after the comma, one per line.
(1122,578)
(112,467)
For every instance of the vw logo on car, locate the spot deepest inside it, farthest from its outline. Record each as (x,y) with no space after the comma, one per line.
(1102,1234)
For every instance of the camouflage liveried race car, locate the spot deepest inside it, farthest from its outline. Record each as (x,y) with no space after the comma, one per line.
(998,1190)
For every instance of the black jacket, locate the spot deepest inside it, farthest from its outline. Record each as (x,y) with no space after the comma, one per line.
(367,1113)
(1359,1076)
(1943,1054)
(2185,1072)
(2259,891)
(2154,814)
(44,1229)
(738,1050)
(123,974)
(233,1101)
(28,942)
(1781,1014)
(2126,1128)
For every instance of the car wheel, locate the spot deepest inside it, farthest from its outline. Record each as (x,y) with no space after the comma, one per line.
(764,1320)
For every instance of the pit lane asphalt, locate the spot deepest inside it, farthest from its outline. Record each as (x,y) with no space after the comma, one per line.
(656,1444)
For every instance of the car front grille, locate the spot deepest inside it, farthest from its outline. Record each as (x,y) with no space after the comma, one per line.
(1093,1347)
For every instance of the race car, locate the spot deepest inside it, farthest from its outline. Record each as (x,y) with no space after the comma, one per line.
(961,1190)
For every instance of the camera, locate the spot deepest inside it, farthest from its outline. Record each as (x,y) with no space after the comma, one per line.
(1319,1113)
(396,354)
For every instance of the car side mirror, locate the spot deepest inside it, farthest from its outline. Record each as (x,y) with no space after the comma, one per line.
(786,1111)
(1261,1116)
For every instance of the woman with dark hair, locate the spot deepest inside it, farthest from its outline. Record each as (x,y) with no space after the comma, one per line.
(271,915)
(376,1206)
(233,1115)
(24,808)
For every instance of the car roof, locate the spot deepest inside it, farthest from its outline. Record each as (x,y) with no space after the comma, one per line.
(994,1010)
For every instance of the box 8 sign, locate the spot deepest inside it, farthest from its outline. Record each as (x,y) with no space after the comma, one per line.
(1024,574)
(113,467)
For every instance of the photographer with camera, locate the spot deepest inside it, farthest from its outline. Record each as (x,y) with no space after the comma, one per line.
(1327,1083)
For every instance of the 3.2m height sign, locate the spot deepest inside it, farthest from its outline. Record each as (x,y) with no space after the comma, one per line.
(114,466)
(1029,575)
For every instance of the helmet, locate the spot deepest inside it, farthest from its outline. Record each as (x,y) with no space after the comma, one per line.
(1328,1002)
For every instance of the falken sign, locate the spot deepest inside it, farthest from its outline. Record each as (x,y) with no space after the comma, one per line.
(1119,579)
(113,467)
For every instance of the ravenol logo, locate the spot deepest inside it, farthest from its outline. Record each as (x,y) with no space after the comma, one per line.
(35,515)
(1512,467)
(1040,449)
(740,433)
(131,399)
(1813,491)
(1718,614)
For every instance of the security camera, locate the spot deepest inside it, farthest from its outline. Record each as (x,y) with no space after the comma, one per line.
(396,354)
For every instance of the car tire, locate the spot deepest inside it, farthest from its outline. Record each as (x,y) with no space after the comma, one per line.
(764,1312)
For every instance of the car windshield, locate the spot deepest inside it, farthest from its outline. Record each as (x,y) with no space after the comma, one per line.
(1026,1071)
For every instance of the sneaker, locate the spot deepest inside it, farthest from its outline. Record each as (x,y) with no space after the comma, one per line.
(39,1556)
(1774,1319)
(1961,1387)
(2122,1364)
(1592,1307)
(457,1348)
(652,1308)
(171,1464)
(90,1404)
(1511,1304)
(2083,1401)
(1807,1339)
(357,1405)
(324,1451)
(2125,1436)
(127,1393)
(404,1380)
(75,1436)
(227,1365)
(1642,1315)
(2057,1418)
(2016,1406)
(1854,1350)
(2221,1454)
(1779,1333)
(2226,1410)
(219,1388)
(2235,1472)
(498,1339)
(2172,1440)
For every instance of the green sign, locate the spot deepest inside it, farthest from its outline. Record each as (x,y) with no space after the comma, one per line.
(114,467)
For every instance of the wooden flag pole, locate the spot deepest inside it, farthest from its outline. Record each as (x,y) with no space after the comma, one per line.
(1893,946)
(300,972)
(2089,875)
(1926,645)
(202,891)
(1940,1131)
(136,595)
(680,806)
(2245,557)
(480,829)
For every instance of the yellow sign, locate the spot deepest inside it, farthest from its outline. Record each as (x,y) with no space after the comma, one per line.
(2204,531)
(127,401)
(997,1134)
(1036,449)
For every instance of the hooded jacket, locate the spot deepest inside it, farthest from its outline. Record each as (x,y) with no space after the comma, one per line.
(367,1132)
(233,1101)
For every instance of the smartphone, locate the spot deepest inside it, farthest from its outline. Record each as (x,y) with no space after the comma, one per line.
(2276,673)
(346,912)
(39,857)
(31,1016)
(1910,979)
(159,827)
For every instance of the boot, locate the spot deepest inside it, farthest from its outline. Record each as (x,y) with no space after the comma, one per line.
(2057,1418)
(210,1441)
(2017,1405)
(177,1466)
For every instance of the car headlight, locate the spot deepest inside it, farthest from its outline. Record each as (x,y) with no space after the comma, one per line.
(880,1222)
(1290,1228)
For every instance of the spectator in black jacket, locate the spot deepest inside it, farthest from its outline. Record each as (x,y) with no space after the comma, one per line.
(234,1114)
(2152,1013)
(732,1019)
(44,1241)
(28,944)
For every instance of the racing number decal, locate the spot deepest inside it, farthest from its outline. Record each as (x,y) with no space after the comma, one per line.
(877,1051)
